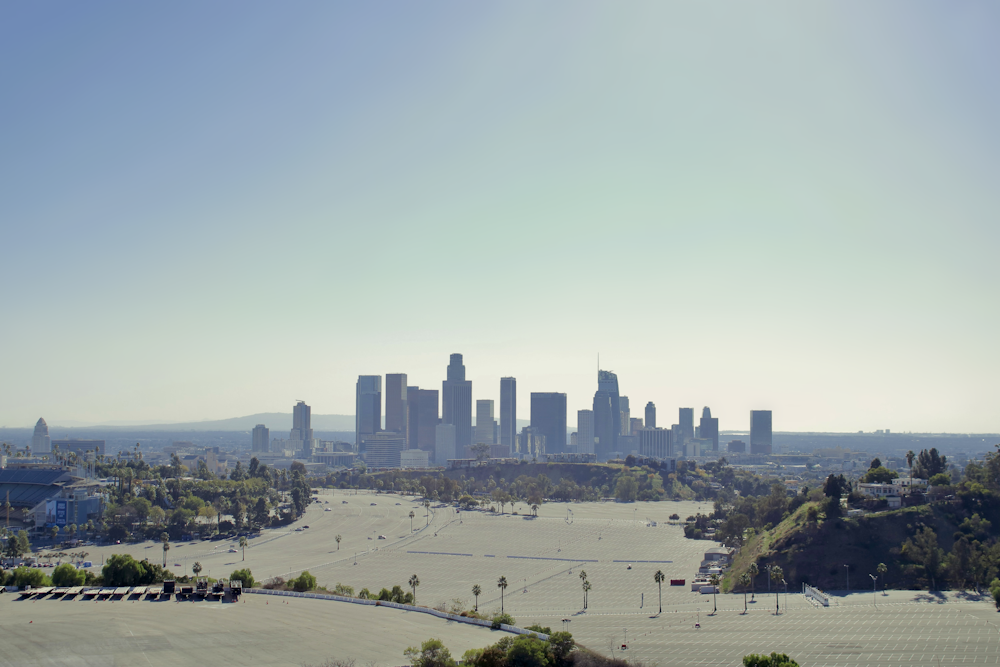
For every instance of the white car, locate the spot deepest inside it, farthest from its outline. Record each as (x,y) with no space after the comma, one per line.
(327,509)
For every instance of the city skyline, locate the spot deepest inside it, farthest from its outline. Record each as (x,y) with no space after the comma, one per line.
(812,234)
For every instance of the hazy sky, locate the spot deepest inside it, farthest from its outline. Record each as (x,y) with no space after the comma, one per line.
(213,209)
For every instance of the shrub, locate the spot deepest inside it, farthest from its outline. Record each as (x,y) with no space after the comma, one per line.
(244,576)
(773,660)
(432,653)
(23,576)
(341,589)
(501,619)
(304,582)
(995,592)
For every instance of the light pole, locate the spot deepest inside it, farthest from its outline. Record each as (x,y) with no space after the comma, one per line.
(768,568)
(785,583)
(874,590)
(847,570)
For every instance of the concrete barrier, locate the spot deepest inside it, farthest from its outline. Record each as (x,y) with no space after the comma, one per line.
(816,594)
(396,605)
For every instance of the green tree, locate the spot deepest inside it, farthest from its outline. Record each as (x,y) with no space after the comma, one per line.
(658,578)
(626,489)
(338,538)
(714,581)
(304,582)
(882,569)
(528,651)
(411,520)
(123,570)
(910,456)
(995,592)
(745,581)
(502,585)
(773,660)
(54,532)
(754,571)
(414,582)
(923,549)
(243,546)
(196,568)
(477,591)
(880,475)
(23,576)
(432,653)
(67,575)
(586,593)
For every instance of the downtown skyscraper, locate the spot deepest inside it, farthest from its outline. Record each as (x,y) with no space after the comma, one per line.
(456,402)
(508,412)
(548,417)
(368,408)
(607,415)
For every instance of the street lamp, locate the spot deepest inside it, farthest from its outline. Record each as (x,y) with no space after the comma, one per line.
(847,570)
(786,593)
(874,590)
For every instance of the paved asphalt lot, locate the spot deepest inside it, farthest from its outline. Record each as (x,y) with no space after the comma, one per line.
(541,559)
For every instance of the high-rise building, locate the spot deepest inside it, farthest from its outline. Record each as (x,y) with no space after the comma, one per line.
(635,425)
(548,417)
(686,421)
(625,416)
(607,415)
(650,415)
(655,442)
(486,425)
(41,443)
(413,417)
(585,431)
(456,401)
(301,423)
(444,443)
(382,449)
(709,428)
(530,442)
(367,407)
(760,431)
(261,439)
(427,419)
(395,402)
(676,440)
(508,412)
(737,447)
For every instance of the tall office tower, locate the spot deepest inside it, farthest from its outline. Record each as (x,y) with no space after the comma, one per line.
(548,417)
(530,442)
(686,421)
(676,440)
(607,414)
(585,431)
(508,412)
(709,428)
(41,443)
(635,425)
(486,425)
(444,444)
(301,423)
(655,442)
(261,439)
(427,419)
(650,415)
(367,407)
(412,416)
(626,416)
(382,450)
(456,402)
(395,402)
(760,431)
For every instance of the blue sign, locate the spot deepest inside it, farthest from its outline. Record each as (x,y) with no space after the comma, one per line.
(60,512)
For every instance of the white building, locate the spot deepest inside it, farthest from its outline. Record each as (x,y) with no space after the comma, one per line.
(414,458)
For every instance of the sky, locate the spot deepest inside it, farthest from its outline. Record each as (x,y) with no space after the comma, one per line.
(210,210)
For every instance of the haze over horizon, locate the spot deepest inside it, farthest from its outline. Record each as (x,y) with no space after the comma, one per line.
(215,210)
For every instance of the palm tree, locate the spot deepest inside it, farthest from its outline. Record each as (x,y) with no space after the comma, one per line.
(586,593)
(744,582)
(502,585)
(196,568)
(411,520)
(534,509)
(658,578)
(414,582)
(882,569)
(909,461)
(427,511)
(243,545)
(777,576)
(165,538)
(476,590)
(754,571)
(338,538)
(714,580)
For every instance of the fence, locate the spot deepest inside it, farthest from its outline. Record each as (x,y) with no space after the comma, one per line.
(816,594)
(395,605)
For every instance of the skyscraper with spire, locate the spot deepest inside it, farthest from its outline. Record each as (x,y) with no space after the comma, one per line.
(607,415)
(456,402)
(41,443)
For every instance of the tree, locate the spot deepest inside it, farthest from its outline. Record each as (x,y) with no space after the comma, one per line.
(930,463)
(502,585)
(923,549)
(414,582)
(995,592)
(67,575)
(476,591)
(54,532)
(777,576)
(586,593)
(626,489)
(745,581)
(882,569)
(23,577)
(754,571)
(773,660)
(123,570)
(876,463)
(244,576)
(427,511)
(338,538)
(165,538)
(17,545)
(243,545)
(411,520)
(432,653)
(658,578)
(909,462)
(714,581)
(196,568)
(304,582)
(528,651)
(880,475)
